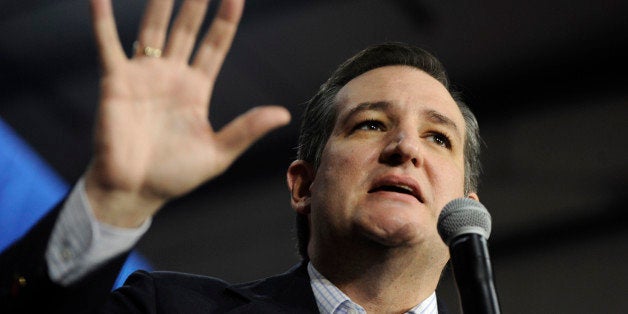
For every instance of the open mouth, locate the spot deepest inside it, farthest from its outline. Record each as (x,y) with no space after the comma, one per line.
(403,189)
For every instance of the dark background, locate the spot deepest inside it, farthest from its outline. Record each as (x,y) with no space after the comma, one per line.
(547,80)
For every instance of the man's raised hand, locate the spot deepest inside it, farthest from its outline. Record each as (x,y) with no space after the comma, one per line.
(153,139)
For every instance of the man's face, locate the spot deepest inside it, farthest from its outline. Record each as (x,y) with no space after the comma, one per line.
(393,160)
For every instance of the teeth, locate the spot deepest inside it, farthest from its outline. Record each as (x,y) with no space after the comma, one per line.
(405,187)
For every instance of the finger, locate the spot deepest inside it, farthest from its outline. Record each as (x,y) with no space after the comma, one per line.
(154,25)
(185,29)
(240,133)
(215,45)
(106,33)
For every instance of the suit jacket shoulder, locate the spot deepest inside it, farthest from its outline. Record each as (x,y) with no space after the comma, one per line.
(172,292)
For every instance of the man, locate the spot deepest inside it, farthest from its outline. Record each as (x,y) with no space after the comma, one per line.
(383,147)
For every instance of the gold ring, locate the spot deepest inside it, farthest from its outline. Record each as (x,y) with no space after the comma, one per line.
(147,50)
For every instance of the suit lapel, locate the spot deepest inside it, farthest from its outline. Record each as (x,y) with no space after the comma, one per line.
(289,293)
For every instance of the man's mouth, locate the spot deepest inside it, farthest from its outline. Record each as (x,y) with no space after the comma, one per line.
(397,188)
(394,188)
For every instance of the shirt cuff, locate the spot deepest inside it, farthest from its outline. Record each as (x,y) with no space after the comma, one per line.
(79,242)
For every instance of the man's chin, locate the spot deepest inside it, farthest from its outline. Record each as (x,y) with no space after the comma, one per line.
(396,237)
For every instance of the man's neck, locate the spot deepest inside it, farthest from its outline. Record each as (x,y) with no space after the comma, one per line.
(382,280)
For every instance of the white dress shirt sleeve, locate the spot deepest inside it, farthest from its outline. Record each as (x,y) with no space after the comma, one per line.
(79,242)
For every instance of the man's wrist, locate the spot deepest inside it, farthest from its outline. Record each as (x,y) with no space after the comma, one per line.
(116,207)
(79,242)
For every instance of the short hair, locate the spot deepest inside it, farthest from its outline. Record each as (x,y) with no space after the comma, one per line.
(320,113)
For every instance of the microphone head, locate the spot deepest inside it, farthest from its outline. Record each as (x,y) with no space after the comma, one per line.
(463,216)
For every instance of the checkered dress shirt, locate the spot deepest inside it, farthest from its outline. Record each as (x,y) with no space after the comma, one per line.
(331,300)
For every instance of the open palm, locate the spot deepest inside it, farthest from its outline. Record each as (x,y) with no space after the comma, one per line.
(153,139)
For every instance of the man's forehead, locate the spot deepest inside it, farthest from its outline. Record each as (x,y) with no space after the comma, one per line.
(386,87)
(394,78)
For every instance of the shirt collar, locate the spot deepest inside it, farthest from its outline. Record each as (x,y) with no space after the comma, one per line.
(331,300)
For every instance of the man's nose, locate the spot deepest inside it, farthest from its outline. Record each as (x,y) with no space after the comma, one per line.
(402,148)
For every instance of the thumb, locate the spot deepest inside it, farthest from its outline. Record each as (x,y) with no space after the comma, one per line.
(240,133)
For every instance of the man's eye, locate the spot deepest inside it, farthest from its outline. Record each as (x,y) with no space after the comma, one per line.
(370,125)
(440,139)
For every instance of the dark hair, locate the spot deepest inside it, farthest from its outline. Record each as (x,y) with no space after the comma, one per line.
(320,112)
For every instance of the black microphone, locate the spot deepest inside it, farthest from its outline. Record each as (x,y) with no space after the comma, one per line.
(465,225)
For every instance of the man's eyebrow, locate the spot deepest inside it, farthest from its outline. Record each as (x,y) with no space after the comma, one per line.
(438,118)
(365,106)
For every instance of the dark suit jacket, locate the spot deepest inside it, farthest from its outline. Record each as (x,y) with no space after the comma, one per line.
(169,292)
(26,288)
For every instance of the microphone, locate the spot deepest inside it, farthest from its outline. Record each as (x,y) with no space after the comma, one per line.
(464,225)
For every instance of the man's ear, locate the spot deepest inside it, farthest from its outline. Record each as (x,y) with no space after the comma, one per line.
(299,177)
(473,196)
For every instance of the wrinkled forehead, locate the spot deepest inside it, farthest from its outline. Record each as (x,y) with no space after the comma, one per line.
(404,87)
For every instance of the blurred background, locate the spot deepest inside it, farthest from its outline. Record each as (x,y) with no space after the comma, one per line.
(547,80)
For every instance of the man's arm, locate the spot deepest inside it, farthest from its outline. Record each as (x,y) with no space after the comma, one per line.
(153,139)
(79,242)
(25,284)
